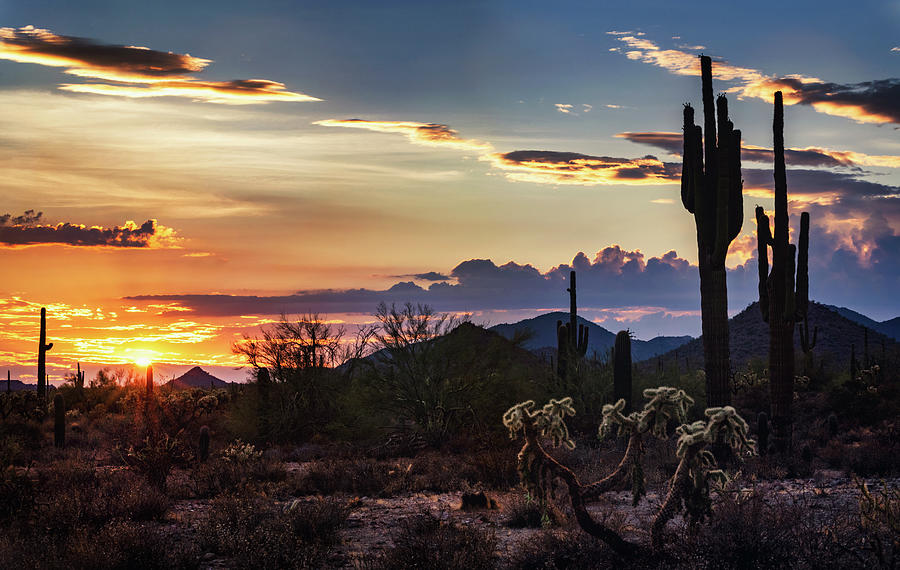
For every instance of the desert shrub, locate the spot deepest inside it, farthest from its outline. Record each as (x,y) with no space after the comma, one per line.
(751,530)
(125,544)
(75,494)
(428,542)
(255,532)
(354,476)
(525,512)
(16,494)
(154,458)
(117,545)
(550,551)
(239,465)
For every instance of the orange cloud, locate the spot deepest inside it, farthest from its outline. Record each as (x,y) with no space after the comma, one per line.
(164,74)
(868,102)
(26,230)
(429,134)
(550,167)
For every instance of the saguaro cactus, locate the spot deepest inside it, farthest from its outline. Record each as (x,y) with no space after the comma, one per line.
(203,448)
(43,347)
(782,303)
(79,377)
(622,369)
(59,421)
(149,380)
(571,338)
(711,189)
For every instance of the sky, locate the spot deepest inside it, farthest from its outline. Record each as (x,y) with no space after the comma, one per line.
(176,175)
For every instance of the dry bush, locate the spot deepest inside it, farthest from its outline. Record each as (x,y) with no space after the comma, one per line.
(256,533)
(425,541)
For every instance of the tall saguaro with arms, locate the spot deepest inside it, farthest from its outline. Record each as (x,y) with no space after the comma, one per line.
(783,304)
(711,189)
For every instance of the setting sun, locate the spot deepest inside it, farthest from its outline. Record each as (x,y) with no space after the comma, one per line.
(143,361)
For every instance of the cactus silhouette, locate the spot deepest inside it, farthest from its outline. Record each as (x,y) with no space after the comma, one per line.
(79,376)
(622,369)
(711,189)
(43,347)
(59,421)
(571,338)
(807,344)
(149,380)
(203,448)
(762,432)
(782,303)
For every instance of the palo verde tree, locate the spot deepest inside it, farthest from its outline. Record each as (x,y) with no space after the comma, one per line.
(711,188)
(688,488)
(296,364)
(782,303)
(413,369)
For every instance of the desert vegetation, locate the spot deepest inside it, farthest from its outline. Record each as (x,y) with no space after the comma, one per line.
(419,442)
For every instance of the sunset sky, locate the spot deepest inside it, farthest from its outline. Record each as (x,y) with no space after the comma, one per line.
(176,174)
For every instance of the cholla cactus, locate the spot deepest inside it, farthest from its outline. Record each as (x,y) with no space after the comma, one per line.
(689,486)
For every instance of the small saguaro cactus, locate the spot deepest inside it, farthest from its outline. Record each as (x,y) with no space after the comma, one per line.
(203,447)
(262,403)
(79,376)
(622,369)
(711,190)
(149,380)
(59,421)
(571,338)
(762,432)
(43,347)
(782,303)
(807,344)
(8,383)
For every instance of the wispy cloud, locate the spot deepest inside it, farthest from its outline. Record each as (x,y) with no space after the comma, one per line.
(429,134)
(809,156)
(551,167)
(136,72)
(867,102)
(564,108)
(27,230)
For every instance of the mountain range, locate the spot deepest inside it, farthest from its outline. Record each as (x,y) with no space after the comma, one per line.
(600,340)
(749,338)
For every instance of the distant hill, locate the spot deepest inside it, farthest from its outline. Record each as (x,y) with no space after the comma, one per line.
(196,377)
(16,385)
(600,340)
(890,328)
(750,340)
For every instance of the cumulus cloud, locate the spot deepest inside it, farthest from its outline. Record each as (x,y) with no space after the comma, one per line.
(809,156)
(429,134)
(552,167)
(426,276)
(27,230)
(867,102)
(854,261)
(134,71)
(615,277)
